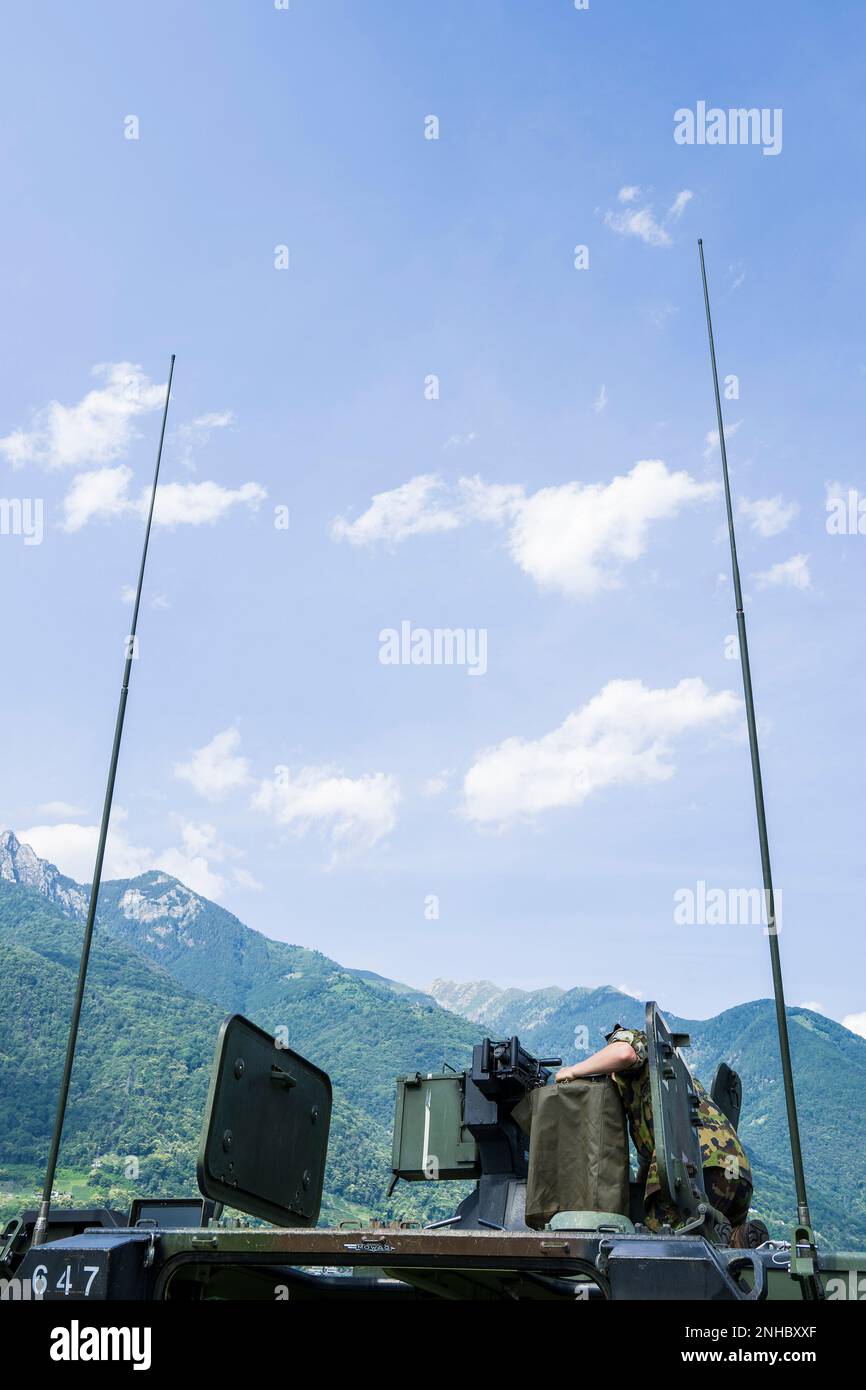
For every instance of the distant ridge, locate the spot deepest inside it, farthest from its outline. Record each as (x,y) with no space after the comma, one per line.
(156,935)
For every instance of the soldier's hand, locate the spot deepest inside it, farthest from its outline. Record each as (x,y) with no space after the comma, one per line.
(564,1074)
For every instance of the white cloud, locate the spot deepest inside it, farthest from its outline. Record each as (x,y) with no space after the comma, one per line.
(425,505)
(857,1024)
(435,786)
(358,811)
(194,434)
(768,515)
(711,438)
(600,401)
(193,870)
(638,223)
(104,493)
(194,504)
(678,206)
(213,420)
(191,860)
(217,768)
(62,809)
(98,429)
(736,275)
(642,222)
(837,490)
(415,508)
(494,502)
(574,537)
(72,847)
(201,838)
(794,573)
(244,879)
(814,1005)
(621,737)
(458,441)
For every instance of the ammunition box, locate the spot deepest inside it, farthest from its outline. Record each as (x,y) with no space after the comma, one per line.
(430,1139)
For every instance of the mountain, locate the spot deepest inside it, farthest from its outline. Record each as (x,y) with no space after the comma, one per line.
(382,982)
(829,1070)
(363,1032)
(143,1056)
(548,1019)
(155,936)
(19,864)
(506,1011)
(168,964)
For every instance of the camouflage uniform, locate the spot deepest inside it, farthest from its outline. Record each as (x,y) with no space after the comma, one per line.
(727,1175)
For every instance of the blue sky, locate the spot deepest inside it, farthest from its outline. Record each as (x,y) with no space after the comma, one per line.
(553,815)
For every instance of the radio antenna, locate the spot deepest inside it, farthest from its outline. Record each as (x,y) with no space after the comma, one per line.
(801,1266)
(40,1230)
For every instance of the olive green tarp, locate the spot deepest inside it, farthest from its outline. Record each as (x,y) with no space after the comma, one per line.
(578,1149)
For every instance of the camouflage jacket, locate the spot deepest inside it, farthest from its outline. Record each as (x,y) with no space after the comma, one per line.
(720,1147)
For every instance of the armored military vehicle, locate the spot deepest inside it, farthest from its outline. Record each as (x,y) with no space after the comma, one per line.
(263,1150)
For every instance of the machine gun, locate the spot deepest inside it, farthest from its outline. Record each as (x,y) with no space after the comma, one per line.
(460,1125)
(505,1070)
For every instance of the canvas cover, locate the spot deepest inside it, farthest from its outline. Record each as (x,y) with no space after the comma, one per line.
(578,1149)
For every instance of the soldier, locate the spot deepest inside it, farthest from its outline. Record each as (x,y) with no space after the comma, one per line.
(727,1175)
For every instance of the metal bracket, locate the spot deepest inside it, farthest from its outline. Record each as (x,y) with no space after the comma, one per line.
(9,1237)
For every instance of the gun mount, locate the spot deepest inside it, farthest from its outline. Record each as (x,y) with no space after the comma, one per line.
(461,1125)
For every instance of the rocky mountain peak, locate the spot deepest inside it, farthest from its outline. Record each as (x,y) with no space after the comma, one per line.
(165,911)
(21,864)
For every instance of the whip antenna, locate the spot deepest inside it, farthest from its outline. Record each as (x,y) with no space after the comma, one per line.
(41,1228)
(801,1266)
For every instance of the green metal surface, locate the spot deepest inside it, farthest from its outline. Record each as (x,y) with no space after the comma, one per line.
(674,1104)
(430,1139)
(264,1142)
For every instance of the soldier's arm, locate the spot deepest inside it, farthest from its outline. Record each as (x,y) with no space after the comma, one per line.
(617,1056)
